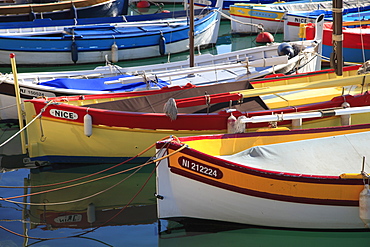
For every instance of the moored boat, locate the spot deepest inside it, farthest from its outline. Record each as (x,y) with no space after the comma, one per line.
(307,179)
(119,128)
(57,10)
(250,19)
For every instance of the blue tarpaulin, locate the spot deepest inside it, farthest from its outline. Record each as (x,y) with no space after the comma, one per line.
(97,84)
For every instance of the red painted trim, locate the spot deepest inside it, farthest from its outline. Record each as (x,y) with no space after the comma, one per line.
(213,121)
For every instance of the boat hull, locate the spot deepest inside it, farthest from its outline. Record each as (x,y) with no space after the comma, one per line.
(355,44)
(83,9)
(193,184)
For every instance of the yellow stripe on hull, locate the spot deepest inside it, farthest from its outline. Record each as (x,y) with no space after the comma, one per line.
(104,142)
(229,146)
(271,186)
(249,12)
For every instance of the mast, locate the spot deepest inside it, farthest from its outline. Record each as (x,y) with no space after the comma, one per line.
(336,58)
(191,33)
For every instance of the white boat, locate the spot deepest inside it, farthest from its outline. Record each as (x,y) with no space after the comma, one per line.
(307,178)
(297,25)
(252,18)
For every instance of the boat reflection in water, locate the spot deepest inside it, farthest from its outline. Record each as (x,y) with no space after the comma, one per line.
(122,199)
(192,232)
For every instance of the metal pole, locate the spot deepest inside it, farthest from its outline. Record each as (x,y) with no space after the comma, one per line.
(191,33)
(336,58)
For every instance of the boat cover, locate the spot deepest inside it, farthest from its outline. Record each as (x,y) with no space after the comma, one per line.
(330,156)
(97,84)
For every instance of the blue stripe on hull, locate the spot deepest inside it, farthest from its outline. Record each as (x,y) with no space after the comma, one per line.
(349,54)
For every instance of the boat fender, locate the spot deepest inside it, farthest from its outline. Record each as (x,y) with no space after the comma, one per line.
(73,12)
(162,44)
(74,51)
(32,16)
(364,205)
(114,50)
(286,49)
(296,49)
(231,122)
(264,37)
(91,213)
(88,125)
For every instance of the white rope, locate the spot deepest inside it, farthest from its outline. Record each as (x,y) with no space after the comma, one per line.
(25,127)
(18,132)
(258,26)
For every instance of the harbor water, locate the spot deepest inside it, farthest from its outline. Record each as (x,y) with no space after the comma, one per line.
(105,205)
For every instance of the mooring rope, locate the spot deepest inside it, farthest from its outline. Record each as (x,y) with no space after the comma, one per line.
(258,26)
(8,199)
(114,216)
(25,127)
(93,174)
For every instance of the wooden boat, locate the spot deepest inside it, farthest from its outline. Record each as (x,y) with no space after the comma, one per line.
(91,44)
(118,128)
(282,4)
(355,36)
(272,18)
(208,69)
(356,41)
(61,10)
(308,178)
(297,26)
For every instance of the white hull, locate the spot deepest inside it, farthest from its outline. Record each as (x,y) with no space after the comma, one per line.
(276,26)
(223,205)
(194,195)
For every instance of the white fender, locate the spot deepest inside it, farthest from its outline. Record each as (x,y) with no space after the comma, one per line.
(364,204)
(91,213)
(114,50)
(88,125)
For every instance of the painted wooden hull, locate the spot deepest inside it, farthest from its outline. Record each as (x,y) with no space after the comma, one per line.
(226,3)
(356,43)
(272,18)
(61,10)
(92,44)
(294,22)
(123,131)
(278,191)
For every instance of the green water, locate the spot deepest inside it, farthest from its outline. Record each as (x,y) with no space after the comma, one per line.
(125,208)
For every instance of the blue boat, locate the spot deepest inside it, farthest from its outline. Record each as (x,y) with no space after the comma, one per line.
(62,10)
(130,37)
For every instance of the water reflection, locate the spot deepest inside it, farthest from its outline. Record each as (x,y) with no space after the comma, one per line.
(72,201)
(96,201)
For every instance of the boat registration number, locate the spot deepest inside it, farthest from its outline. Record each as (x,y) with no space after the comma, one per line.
(200,168)
(68,218)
